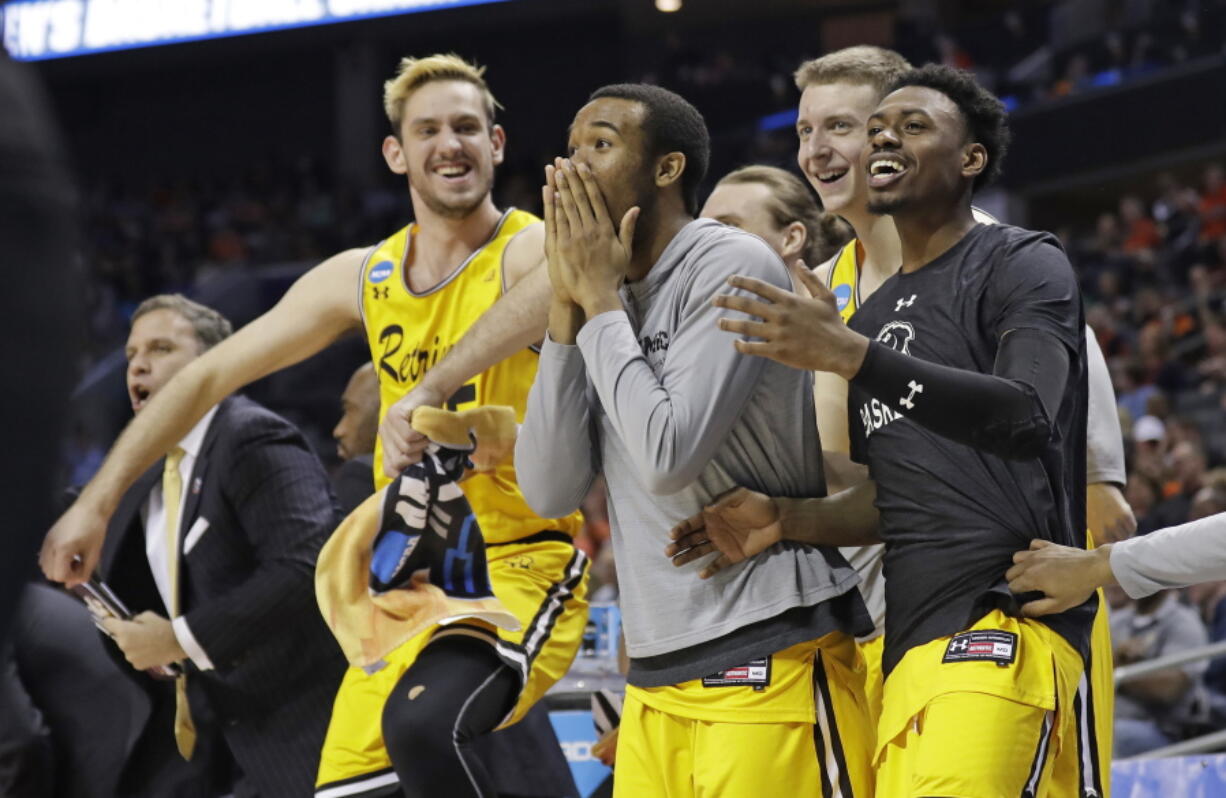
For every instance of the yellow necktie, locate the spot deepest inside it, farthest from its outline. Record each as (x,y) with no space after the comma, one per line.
(172,493)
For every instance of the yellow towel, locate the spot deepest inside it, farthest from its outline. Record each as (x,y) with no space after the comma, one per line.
(437,570)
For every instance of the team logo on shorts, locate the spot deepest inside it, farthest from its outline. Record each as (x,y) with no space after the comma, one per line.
(982,645)
(381,271)
(842,295)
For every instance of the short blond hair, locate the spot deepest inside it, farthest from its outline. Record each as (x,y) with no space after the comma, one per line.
(862,64)
(413,73)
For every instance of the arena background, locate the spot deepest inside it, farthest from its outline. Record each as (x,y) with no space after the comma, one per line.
(224,167)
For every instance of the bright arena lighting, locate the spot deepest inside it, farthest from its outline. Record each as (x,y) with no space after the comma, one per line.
(40,29)
(668,6)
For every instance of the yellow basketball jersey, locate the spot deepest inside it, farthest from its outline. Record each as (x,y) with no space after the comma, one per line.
(410,332)
(844,280)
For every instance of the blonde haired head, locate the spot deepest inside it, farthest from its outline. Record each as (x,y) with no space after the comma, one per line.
(862,64)
(413,73)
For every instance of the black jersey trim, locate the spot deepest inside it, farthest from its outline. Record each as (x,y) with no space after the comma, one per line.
(825,708)
(520,656)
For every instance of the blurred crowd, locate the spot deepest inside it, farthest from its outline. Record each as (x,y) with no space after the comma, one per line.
(151,237)
(1033,52)
(1153,275)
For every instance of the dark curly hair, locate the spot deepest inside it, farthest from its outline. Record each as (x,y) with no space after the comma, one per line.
(671,124)
(984,115)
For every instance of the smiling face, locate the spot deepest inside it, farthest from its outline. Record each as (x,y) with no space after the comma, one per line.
(830,126)
(608,136)
(917,152)
(447,147)
(160,343)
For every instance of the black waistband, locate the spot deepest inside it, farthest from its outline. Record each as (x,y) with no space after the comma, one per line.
(540,537)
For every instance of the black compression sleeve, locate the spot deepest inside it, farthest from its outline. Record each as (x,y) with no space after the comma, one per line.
(1008,413)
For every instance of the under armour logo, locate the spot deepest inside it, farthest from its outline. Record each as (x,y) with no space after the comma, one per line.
(915,388)
(958,645)
(904,303)
(376,289)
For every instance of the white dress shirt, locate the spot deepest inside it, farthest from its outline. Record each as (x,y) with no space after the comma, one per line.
(155,536)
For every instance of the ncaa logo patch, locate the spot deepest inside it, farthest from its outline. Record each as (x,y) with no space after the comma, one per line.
(842,295)
(381,271)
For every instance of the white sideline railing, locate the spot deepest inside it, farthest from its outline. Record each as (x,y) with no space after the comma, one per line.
(1126,673)
(1214,741)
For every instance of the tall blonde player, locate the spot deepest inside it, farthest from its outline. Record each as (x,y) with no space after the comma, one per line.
(416,295)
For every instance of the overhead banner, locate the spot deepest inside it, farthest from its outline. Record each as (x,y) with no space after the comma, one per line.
(40,29)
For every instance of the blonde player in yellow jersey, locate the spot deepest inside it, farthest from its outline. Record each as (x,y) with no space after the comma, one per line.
(840,90)
(415,295)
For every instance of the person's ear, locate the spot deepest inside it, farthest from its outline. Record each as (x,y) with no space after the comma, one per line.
(669,169)
(974,160)
(498,138)
(795,236)
(393,153)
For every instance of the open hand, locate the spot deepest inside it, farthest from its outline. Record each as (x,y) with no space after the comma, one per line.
(739,525)
(798,331)
(591,255)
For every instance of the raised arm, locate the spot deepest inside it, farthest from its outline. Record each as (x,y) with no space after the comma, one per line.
(317,309)
(558,425)
(671,422)
(1035,312)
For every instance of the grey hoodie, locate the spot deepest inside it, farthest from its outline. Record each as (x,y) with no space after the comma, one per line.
(657,398)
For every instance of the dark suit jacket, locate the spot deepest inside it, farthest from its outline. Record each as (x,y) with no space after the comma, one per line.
(256,510)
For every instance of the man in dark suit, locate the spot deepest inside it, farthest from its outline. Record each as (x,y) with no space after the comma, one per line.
(214,549)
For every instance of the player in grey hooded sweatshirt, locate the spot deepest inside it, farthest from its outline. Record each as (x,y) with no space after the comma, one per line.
(636,382)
